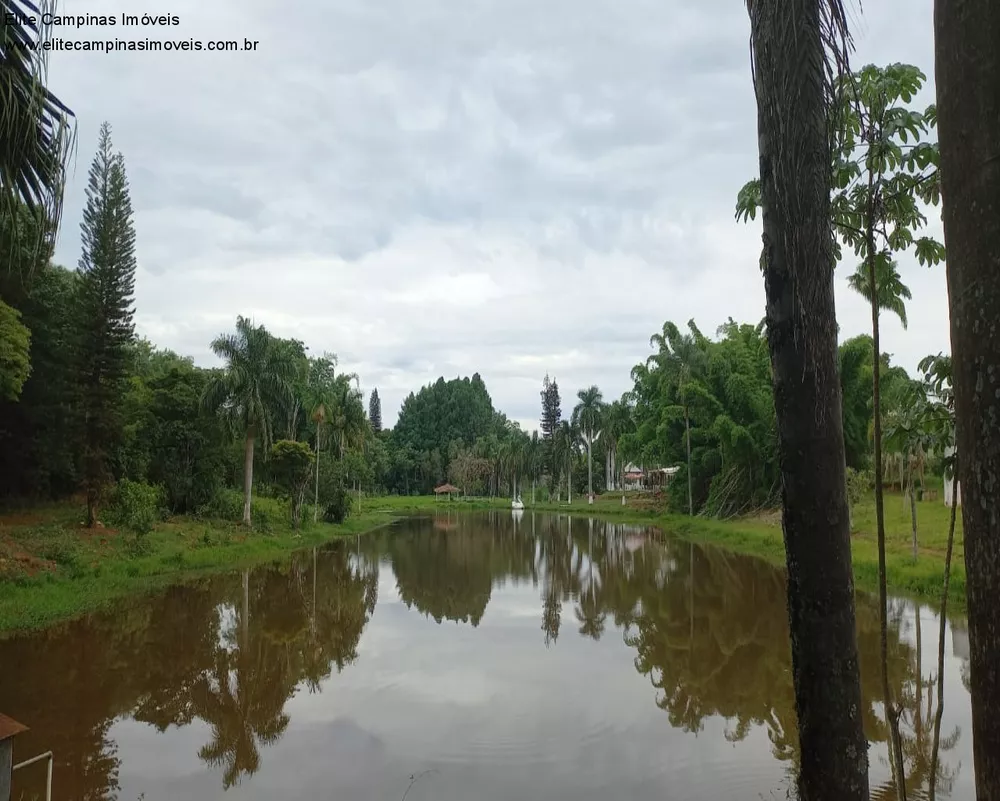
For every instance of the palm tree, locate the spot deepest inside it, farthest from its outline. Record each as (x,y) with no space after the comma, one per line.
(617,424)
(253,385)
(680,357)
(892,292)
(967,72)
(534,459)
(319,400)
(347,413)
(587,416)
(793,45)
(514,456)
(348,419)
(566,441)
(35,134)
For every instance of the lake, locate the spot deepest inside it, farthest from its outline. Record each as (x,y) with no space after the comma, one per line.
(465,657)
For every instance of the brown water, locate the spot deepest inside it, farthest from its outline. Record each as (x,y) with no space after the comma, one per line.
(490,656)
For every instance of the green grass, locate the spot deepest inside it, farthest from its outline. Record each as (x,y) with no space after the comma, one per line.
(52,569)
(761,536)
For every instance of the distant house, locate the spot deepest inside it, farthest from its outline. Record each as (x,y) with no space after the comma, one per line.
(638,478)
(633,477)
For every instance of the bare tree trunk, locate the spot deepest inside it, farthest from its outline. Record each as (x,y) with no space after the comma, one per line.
(802,338)
(943,624)
(590,470)
(913,516)
(687,431)
(247,477)
(891,712)
(316,497)
(245,622)
(967,67)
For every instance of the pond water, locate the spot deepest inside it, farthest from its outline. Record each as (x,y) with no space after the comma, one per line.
(480,657)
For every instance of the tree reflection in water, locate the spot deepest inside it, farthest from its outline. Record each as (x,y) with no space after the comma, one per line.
(708,629)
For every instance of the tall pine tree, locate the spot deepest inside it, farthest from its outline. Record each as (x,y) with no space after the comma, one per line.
(107,271)
(375,411)
(549,424)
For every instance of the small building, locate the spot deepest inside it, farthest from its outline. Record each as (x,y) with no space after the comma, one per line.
(447,489)
(638,478)
(632,477)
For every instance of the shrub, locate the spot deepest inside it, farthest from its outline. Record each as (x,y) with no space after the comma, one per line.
(266,514)
(225,504)
(136,506)
(339,507)
(291,467)
(859,485)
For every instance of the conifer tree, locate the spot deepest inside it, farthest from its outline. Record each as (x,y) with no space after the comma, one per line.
(375,411)
(549,424)
(107,271)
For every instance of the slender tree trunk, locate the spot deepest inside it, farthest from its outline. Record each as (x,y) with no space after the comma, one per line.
(967,66)
(687,431)
(245,622)
(590,470)
(247,477)
(891,712)
(913,516)
(316,496)
(569,479)
(943,624)
(802,339)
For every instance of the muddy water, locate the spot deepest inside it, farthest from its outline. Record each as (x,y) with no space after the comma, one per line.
(477,657)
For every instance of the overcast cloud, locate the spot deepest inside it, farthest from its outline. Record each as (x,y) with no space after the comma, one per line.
(448,186)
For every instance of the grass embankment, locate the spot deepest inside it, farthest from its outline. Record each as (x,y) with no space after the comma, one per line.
(52,568)
(761,535)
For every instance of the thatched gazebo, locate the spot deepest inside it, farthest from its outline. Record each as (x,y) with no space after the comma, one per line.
(447,489)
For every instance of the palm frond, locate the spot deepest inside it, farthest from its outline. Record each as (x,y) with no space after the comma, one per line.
(36,137)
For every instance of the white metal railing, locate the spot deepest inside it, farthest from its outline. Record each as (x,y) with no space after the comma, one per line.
(48,781)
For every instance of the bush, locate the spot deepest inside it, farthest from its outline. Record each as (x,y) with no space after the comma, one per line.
(339,508)
(859,485)
(225,504)
(136,506)
(266,514)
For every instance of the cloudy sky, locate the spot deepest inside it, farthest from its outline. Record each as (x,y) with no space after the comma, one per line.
(447,186)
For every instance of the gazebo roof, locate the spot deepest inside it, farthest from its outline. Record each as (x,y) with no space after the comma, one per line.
(449,488)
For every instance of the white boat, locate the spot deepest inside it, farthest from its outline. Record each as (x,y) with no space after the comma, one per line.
(516,504)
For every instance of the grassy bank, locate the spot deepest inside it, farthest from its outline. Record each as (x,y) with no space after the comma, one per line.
(51,568)
(762,536)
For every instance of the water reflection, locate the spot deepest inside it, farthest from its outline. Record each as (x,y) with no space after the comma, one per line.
(215,668)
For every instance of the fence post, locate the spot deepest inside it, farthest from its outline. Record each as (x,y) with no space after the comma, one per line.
(9,729)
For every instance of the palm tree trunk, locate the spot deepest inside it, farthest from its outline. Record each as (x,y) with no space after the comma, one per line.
(913,516)
(793,125)
(687,432)
(316,495)
(247,476)
(967,66)
(590,471)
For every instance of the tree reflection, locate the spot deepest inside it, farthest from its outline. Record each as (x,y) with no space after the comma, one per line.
(444,574)
(708,629)
(230,651)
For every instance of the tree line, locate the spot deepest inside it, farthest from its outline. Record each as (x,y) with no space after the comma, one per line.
(844,162)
